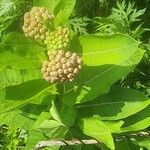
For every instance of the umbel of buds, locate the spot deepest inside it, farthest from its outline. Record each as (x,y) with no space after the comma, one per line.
(61,66)
(34,23)
(58,39)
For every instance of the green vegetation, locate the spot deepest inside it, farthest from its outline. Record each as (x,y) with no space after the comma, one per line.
(95,81)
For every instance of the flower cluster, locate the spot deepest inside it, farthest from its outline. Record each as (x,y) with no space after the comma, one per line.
(61,66)
(58,39)
(34,23)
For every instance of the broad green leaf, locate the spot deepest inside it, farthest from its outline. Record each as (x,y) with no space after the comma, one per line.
(16,119)
(21,60)
(95,128)
(41,104)
(11,77)
(138,121)
(18,96)
(105,60)
(49,4)
(64,9)
(18,62)
(117,104)
(68,115)
(106,49)
(28,116)
(24,47)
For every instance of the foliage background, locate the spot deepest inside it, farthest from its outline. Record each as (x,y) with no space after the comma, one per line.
(100,17)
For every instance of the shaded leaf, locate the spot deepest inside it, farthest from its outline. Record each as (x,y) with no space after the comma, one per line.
(20,95)
(125,145)
(41,118)
(16,119)
(49,4)
(138,121)
(21,60)
(118,103)
(142,142)
(68,115)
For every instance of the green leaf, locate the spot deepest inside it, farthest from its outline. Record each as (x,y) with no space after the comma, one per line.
(21,60)
(34,137)
(142,142)
(114,126)
(22,46)
(49,4)
(95,128)
(105,49)
(11,77)
(106,60)
(60,19)
(125,145)
(64,10)
(49,124)
(54,112)
(41,118)
(118,103)
(68,115)
(16,119)
(53,129)
(18,96)
(138,121)
(18,62)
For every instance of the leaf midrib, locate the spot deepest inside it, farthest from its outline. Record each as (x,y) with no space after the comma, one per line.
(108,51)
(103,72)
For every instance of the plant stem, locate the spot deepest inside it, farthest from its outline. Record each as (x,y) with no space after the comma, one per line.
(51,143)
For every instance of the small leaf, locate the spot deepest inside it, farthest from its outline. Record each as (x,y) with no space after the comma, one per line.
(96,129)
(54,112)
(41,118)
(49,124)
